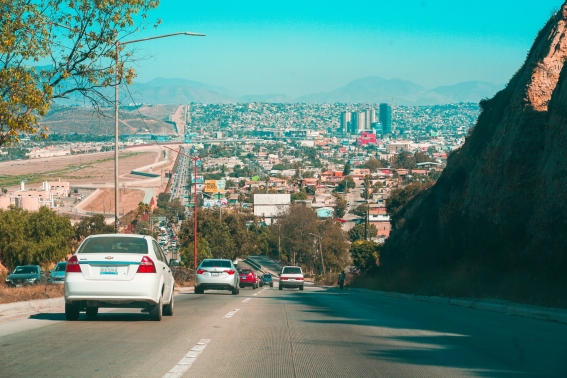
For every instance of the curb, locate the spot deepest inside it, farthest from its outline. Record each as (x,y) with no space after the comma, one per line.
(15,308)
(511,308)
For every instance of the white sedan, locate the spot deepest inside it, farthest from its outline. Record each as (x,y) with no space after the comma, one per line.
(119,271)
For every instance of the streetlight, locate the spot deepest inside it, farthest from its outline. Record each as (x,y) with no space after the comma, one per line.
(117,45)
(320,250)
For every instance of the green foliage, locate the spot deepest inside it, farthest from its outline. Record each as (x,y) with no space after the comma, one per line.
(400,197)
(364,254)
(357,232)
(40,238)
(340,207)
(347,168)
(76,39)
(346,184)
(92,226)
(374,164)
(163,200)
(360,210)
(188,252)
(299,196)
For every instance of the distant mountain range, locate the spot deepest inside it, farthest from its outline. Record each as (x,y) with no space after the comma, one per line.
(370,89)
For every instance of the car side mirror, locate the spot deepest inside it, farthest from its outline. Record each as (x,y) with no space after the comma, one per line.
(174,262)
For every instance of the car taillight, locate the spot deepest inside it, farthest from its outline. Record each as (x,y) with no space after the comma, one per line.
(201,271)
(299,278)
(229,271)
(146,266)
(73,265)
(283,278)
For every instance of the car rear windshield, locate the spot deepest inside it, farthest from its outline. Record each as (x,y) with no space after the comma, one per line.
(215,264)
(292,270)
(25,269)
(267,276)
(60,267)
(114,244)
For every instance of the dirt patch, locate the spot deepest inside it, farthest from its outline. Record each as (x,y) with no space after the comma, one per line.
(28,293)
(103,200)
(77,169)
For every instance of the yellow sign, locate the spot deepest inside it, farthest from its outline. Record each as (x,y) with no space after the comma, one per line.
(214,186)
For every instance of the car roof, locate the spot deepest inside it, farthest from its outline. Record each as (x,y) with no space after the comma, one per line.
(121,236)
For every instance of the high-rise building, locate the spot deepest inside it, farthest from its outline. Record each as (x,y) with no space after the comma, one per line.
(369,118)
(344,122)
(358,122)
(386,118)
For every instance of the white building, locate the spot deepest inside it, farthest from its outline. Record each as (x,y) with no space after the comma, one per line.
(269,206)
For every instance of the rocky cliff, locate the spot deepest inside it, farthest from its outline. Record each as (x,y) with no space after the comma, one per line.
(495,223)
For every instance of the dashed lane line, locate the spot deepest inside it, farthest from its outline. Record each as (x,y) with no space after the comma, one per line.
(246,300)
(231,313)
(186,362)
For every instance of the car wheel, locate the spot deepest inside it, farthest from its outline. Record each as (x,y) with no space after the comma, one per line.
(234,290)
(156,312)
(197,290)
(280,287)
(92,312)
(271,285)
(241,286)
(72,311)
(301,288)
(253,287)
(168,308)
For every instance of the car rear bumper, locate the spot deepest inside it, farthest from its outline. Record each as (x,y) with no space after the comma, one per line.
(216,282)
(112,292)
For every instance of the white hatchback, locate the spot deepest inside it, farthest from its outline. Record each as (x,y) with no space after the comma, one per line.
(119,271)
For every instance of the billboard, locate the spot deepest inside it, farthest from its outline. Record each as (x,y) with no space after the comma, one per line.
(200,179)
(215,186)
(222,202)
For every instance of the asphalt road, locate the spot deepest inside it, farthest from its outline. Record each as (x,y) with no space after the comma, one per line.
(315,333)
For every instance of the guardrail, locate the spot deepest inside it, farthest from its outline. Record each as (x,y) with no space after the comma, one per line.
(253,264)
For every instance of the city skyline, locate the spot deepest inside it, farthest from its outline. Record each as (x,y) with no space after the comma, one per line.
(297,49)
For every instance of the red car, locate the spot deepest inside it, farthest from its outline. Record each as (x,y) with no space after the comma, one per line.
(248,278)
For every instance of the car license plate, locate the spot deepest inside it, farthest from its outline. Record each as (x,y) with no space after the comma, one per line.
(109,270)
(215,274)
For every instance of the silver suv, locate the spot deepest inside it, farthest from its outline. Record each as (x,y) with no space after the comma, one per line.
(217,274)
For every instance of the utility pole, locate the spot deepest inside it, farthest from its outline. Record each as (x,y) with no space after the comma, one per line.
(366,182)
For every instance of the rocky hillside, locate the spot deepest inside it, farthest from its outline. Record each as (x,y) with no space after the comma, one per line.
(495,223)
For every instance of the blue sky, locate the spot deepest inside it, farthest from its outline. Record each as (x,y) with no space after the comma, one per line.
(299,47)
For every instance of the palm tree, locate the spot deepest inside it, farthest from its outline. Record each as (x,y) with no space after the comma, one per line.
(143,208)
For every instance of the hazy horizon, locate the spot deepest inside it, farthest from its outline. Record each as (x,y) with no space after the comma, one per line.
(297,48)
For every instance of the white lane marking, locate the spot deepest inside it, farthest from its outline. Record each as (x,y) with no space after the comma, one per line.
(186,362)
(229,315)
(254,294)
(246,300)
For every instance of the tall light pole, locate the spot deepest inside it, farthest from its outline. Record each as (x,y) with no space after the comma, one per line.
(320,250)
(117,44)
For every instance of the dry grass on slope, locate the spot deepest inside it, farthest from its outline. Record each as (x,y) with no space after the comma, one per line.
(28,293)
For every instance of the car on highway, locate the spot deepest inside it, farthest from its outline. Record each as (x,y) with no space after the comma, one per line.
(57,274)
(217,274)
(119,271)
(26,275)
(248,277)
(267,279)
(291,276)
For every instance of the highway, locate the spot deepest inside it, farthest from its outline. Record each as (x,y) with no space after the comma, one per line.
(320,332)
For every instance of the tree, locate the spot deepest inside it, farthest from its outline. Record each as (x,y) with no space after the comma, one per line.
(163,200)
(92,226)
(340,207)
(299,196)
(357,232)
(40,238)
(364,254)
(346,184)
(360,210)
(400,197)
(346,170)
(187,252)
(374,164)
(76,39)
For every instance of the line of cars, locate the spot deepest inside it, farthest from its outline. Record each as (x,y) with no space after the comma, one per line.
(34,274)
